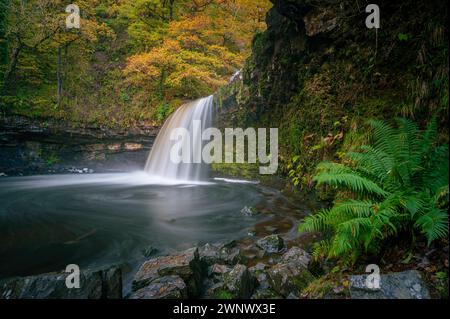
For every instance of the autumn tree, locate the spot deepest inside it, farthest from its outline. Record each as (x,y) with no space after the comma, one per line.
(200,51)
(35,32)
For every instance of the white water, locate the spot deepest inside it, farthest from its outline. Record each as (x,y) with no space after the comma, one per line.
(159,164)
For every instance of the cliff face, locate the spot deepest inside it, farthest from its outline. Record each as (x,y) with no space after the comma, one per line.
(318,73)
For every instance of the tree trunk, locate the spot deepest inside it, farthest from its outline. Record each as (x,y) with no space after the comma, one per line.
(11,70)
(171,5)
(59,75)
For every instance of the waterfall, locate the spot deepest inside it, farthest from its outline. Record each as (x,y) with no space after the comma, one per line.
(159,164)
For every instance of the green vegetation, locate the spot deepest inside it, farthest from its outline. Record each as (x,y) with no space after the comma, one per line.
(130,61)
(399,183)
(223,294)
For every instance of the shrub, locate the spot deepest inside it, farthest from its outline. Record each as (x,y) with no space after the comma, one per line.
(399,183)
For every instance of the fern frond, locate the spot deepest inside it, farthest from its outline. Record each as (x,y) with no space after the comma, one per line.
(351,181)
(433,224)
(316,222)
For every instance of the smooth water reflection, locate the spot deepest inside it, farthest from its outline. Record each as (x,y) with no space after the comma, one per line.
(47,222)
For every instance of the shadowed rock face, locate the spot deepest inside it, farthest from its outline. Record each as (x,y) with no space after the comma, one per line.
(30,147)
(101,284)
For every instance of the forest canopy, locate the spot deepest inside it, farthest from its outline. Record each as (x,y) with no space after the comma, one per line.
(130,60)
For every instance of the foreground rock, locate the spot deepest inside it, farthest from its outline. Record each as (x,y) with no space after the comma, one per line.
(401,285)
(100,284)
(297,255)
(237,283)
(169,287)
(290,275)
(228,254)
(186,265)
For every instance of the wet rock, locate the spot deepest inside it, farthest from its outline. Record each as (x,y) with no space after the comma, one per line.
(401,285)
(231,256)
(271,244)
(291,277)
(297,255)
(210,254)
(220,254)
(249,211)
(96,284)
(263,280)
(168,287)
(239,282)
(186,265)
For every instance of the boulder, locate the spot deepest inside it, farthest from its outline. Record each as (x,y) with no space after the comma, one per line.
(210,254)
(167,287)
(228,253)
(271,244)
(297,255)
(186,265)
(401,285)
(239,282)
(94,284)
(217,270)
(287,278)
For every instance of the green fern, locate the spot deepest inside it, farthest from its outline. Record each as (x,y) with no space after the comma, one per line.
(398,183)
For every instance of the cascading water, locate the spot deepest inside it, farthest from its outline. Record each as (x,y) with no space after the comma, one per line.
(159,163)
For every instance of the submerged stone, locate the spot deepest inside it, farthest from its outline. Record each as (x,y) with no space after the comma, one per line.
(249,211)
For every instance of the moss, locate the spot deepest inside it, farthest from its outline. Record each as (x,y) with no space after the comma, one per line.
(319,288)
(223,294)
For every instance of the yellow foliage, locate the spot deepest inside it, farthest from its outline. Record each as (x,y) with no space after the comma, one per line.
(203,47)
